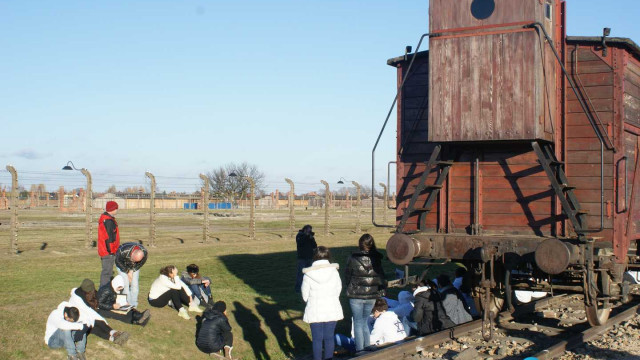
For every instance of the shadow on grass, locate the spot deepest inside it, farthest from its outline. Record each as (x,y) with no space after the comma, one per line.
(272,276)
(251,330)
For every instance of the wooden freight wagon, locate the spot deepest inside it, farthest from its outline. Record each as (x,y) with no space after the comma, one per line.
(517,153)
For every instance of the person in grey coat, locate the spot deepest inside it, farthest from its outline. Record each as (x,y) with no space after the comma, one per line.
(452,301)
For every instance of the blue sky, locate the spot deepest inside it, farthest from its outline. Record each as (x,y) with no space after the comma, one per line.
(299,88)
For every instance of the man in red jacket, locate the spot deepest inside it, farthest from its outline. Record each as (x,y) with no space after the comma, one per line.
(108,241)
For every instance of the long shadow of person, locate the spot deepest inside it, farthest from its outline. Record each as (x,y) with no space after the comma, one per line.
(278,326)
(251,331)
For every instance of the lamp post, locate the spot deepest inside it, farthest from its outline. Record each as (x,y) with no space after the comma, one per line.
(292,218)
(87,202)
(252,218)
(358,202)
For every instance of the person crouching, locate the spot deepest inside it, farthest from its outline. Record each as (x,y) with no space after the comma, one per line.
(215,332)
(321,286)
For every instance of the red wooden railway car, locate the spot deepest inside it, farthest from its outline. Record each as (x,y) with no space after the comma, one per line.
(517,152)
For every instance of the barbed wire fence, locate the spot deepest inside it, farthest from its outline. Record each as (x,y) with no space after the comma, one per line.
(75,198)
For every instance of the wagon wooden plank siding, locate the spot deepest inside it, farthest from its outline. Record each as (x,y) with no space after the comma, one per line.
(491,79)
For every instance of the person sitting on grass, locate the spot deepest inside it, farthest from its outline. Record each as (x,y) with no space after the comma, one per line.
(387,328)
(199,285)
(215,334)
(169,288)
(84,298)
(108,304)
(62,330)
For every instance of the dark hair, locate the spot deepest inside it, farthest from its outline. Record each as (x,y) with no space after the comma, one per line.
(461,271)
(72,313)
(321,253)
(380,305)
(443,280)
(306,227)
(167,270)
(193,269)
(366,243)
(220,306)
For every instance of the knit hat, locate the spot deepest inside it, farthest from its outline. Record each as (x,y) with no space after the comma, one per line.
(88,285)
(111,205)
(117,282)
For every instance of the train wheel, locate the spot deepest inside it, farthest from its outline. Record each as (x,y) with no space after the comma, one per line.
(596,314)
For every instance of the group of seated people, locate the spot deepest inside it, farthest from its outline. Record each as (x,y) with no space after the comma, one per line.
(87,309)
(432,306)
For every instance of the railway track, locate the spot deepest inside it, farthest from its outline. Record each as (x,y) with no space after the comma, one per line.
(526,332)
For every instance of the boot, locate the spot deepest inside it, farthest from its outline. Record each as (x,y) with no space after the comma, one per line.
(227,352)
(80,356)
(143,318)
(135,316)
(120,337)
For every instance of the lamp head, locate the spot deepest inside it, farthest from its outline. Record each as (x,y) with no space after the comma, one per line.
(69,166)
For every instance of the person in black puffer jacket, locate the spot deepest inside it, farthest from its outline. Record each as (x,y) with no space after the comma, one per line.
(305,246)
(429,312)
(215,334)
(107,296)
(365,283)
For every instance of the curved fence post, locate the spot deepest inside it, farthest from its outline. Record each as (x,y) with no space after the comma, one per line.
(152,210)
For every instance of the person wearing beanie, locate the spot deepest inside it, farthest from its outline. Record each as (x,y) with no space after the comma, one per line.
(215,334)
(108,302)
(108,241)
(84,298)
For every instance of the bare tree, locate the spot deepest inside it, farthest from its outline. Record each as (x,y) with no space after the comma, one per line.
(229,187)
(112,189)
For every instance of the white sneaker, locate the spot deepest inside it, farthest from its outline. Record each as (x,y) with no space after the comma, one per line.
(195,308)
(184,314)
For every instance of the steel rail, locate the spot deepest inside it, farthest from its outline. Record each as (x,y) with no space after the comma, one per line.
(587,335)
(418,344)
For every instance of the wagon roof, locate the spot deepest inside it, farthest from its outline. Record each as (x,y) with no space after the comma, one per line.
(396,60)
(629,44)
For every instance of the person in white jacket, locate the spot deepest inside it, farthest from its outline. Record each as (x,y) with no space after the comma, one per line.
(387,328)
(321,287)
(62,329)
(169,288)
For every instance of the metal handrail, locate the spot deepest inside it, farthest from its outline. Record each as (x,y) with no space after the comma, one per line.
(592,122)
(384,125)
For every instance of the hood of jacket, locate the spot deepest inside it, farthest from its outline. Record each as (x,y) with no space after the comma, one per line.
(421,291)
(405,297)
(212,314)
(320,270)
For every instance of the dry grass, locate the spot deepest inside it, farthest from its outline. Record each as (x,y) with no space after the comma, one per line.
(254,277)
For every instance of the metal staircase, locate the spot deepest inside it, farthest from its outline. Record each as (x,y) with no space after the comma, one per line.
(444,166)
(560,185)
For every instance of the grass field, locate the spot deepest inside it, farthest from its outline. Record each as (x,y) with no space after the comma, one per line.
(254,277)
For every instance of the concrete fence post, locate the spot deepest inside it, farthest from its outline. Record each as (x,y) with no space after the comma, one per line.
(205,204)
(13,205)
(252,211)
(327,201)
(358,203)
(87,207)
(384,202)
(292,215)
(152,210)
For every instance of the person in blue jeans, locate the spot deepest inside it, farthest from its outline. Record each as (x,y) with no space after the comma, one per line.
(321,287)
(199,285)
(365,283)
(65,331)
